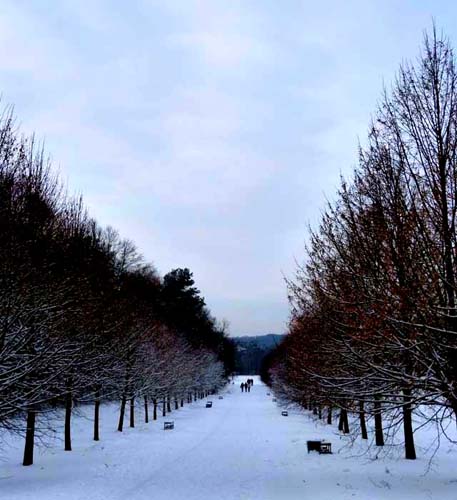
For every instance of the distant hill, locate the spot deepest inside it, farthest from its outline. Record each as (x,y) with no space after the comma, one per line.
(251,350)
(267,341)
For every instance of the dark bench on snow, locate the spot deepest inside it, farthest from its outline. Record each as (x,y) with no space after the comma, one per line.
(274,400)
(168,425)
(325,448)
(209,404)
(322,447)
(268,393)
(221,397)
(285,413)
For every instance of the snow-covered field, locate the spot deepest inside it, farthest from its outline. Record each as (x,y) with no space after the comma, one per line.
(241,448)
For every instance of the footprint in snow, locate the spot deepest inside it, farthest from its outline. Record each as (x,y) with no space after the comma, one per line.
(385,484)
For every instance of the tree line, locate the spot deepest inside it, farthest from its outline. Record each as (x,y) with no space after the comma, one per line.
(373,328)
(83,318)
(250,352)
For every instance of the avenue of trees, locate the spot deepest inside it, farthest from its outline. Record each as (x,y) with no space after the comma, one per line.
(83,319)
(373,330)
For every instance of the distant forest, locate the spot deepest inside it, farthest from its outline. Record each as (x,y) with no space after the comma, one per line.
(250,351)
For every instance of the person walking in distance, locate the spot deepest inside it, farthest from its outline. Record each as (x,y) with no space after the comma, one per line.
(242,386)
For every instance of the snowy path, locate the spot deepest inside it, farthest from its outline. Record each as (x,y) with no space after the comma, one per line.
(241,448)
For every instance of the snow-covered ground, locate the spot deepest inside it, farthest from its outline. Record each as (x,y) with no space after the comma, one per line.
(241,448)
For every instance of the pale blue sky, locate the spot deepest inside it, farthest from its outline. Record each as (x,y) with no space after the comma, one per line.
(209,132)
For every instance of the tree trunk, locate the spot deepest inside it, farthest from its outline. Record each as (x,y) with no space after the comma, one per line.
(340,421)
(378,422)
(122,413)
(97,417)
(182,402)
(176,404)
(329,415)
(345,421)
(168,404)
(320,412)
(29,438)
(68,405)
(155,409)
(146,413)
(410,450)
(363,424)
(132,412)
(164,408)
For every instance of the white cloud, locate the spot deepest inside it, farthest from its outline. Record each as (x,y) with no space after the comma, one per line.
(223,51)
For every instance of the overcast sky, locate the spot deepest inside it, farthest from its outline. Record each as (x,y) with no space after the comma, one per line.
(209,132)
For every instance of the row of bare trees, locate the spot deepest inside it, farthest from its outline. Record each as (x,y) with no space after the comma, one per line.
(374,318)
(83,319)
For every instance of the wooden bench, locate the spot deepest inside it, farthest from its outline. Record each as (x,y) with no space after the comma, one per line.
(221,397)
(285,413)
(268,393)
(209,404)
(323,447)
(168,425)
